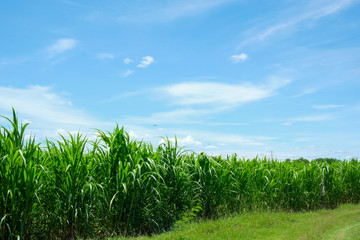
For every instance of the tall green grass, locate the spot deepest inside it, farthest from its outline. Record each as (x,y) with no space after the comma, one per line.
(118,186)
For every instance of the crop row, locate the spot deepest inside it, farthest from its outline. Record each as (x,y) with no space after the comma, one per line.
(119,186)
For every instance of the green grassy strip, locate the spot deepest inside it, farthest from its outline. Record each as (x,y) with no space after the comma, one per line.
(340,224)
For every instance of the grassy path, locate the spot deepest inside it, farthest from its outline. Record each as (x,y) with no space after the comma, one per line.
(340,224)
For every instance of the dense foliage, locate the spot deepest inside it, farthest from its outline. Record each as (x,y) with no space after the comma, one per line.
(76,188)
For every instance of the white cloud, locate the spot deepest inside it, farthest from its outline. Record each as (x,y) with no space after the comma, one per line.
(333,7)
(127,73)
(64,132)
(239,58)
(105,56)
(325,107)
(186,141)
(62,45)
(127,60)
(39,101)
(189,140)
(146,61)
(314,11)
(45,109)
(198,100)
(132,134)
(228,143)
(190,93)
(25,121)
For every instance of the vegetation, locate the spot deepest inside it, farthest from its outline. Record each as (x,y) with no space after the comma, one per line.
(328,160)
(340,224)
(117,186)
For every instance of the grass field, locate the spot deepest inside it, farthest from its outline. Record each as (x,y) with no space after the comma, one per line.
(118,186)
(339,224)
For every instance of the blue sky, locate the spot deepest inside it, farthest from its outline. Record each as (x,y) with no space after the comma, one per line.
(224,76)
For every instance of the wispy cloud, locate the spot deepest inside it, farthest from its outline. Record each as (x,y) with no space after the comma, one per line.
(127,60)
(239,58)
(171,11)
(182,116)
(105,56)
(305,92)
(4,62)
(176,116)
(46,109)
(227,124)
(197,100)
(127,73)
(146,61)
(239,140)
(185,8)
(325,107)
(39,101)
(310,118)
(314,11)
(210,147)
(192,93)
(122,96)
(61,45)
(226,139)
